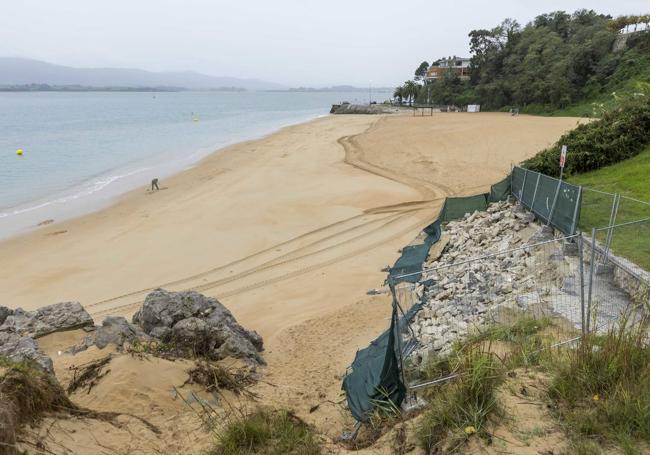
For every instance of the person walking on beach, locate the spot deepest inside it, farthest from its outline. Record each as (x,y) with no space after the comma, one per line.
(154,184)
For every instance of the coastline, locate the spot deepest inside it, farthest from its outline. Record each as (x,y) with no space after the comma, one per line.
(105,190)
(289,232)
(280,190)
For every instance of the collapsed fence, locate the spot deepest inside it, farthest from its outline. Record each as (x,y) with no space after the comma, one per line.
(572,281)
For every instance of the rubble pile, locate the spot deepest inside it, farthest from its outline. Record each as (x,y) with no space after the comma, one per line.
(468,282)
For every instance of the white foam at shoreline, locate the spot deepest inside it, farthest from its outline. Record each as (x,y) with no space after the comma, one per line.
(97,185)
(91,196)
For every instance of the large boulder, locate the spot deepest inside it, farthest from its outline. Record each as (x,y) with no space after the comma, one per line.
(117,330)
(48,319)
(196,325)
(4,312)
(24,349)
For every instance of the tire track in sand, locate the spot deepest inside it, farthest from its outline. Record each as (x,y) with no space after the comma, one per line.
(299,259)
(285,276)
(323,236)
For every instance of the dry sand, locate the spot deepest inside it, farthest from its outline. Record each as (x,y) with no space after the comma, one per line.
(288,231)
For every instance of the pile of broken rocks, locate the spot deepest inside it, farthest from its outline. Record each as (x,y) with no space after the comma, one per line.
(459,293)
(191,324)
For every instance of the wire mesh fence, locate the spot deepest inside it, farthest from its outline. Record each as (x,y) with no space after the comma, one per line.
(617,285)
(601,210)
(460,300)
(566,284)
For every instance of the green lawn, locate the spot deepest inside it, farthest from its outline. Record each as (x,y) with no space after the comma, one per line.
(629,178)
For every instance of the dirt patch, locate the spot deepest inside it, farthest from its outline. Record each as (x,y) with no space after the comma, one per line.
(528,427)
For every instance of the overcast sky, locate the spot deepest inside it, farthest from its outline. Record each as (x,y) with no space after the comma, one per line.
(294,42)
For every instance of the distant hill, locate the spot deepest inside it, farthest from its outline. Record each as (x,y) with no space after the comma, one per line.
(24,72)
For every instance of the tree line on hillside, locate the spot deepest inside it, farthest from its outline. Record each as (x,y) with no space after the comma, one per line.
(555,60)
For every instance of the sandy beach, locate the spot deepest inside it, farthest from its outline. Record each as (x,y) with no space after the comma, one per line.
(289,232)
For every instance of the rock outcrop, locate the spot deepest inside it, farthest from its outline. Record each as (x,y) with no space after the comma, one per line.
(24,349)
(117,330)
(20,328)
(4,312)
(48,319)
(197,325)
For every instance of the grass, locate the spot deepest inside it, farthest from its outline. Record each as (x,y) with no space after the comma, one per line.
(26,394)
(526,338)
(587,108)
(267,432)
(461,408)
(628,178)
(602,389)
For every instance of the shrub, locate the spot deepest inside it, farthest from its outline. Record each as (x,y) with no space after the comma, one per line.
(621,133)
(267,432)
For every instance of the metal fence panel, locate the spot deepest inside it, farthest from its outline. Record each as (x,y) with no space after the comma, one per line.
(549,198)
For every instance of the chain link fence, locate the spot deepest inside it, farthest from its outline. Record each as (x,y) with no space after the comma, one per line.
(567,284)
(620,223)
(614,278)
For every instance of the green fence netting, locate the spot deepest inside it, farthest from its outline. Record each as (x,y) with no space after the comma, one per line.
(457,207)
(500,191)
(413,256)
(375,375)
(548,197)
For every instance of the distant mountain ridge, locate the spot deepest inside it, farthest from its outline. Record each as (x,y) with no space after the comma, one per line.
(22,71)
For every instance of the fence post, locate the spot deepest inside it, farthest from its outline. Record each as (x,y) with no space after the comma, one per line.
(557,192)
(574,223)
(532,204)
(581,269)
(612,222)
(523,186)
(592,270)
(396,305)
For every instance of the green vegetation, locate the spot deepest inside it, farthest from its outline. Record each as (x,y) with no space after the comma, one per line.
(602,389)
(598,390)
(26,395)
(621,133)
(527,340)
(463,406)
(559,63)
(269,433)
(628,178)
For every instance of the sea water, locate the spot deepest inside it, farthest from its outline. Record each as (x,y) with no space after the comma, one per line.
(82,149)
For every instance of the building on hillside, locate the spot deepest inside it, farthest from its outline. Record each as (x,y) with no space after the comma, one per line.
(458,65)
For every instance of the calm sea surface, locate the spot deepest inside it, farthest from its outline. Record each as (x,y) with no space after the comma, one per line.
(81,150)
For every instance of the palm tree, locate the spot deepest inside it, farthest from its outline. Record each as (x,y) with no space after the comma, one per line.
(411,90)
(399,93)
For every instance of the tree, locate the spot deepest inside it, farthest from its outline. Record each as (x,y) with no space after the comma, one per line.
(421,71)
(399,93)
(411,90)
